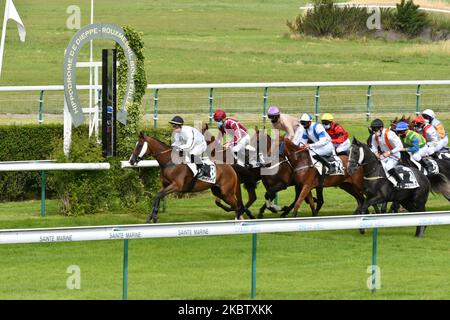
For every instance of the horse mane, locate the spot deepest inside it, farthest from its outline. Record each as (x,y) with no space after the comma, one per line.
(161,142)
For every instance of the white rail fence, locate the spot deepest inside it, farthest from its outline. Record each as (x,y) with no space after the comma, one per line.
(219,228)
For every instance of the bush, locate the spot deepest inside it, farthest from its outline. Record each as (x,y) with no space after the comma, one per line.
(25,142)
(409,19)
(325,19)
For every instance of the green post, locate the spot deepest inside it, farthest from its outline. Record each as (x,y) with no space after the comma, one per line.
(369,89)
(254,243)
(374,259)
(317,103)
(418,100)
(43,179)
(125,270)
(41,107)
(265,106)
(155,109)
(210,105)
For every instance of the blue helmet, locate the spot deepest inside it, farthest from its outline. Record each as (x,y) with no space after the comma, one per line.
(401,126)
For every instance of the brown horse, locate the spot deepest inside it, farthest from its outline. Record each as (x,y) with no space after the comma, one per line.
(281,179)
(179,178)
(308,177)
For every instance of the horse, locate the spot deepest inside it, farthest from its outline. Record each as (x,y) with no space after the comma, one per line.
(440,183)
(250,176)
(179,178)
(308,177)
(379,190)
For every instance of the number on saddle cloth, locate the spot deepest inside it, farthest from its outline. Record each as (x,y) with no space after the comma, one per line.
(407,176)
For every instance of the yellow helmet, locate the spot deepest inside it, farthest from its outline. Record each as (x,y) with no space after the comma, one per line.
(327,117)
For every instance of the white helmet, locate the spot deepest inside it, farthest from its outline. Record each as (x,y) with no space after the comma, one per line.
(429,112)
(306,117)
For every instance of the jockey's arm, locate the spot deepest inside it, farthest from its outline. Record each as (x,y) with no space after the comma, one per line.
(323,140)
(189,138)
(290,132)
(415,146)
(374,146)
(440,130)
(299,136)
(432,136)
(395,142)
(237,133)
(340,135)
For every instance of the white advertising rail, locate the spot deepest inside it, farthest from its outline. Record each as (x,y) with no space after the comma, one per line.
(39,166)
(217,228)
(140,164)
(241,85)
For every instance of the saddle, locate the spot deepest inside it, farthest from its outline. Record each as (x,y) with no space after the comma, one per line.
(443,154)
(204,169)
(252,158)
(407,177)
(333,165)
(428,166)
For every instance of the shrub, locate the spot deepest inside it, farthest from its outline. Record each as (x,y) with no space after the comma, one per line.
(409,19)
(25,142)
(325,19)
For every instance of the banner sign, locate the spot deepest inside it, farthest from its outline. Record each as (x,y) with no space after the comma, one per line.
(84,35)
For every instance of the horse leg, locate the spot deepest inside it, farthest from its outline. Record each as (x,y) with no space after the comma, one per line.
(264,206)
(320,202)
(153,216)
(251,199)
(349,188)
(310,200)
(220,205)
(286,209)
(304,192)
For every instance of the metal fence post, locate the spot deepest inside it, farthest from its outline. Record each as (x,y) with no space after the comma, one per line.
(369,89)
(418,100)
(265,106)
(155,109)
(125,270)
(254,246)
(374,259)
(41,107)
(317,104)
(43,182)
(210,105)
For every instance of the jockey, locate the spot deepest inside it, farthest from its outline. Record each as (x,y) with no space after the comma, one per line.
(413,142)
(191,142)
(390,145)
(429,133)
(283,122)
(233,128)
(339,137)
(430,118)
(315,132)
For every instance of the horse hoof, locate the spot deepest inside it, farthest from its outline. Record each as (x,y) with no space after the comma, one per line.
(362,231)
(260,216)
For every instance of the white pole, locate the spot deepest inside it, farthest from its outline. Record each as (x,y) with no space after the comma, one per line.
(90,69)
(2,45)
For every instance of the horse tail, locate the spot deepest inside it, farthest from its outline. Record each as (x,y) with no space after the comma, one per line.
(440,184)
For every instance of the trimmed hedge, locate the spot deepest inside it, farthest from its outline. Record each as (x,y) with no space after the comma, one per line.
(131,188)
(25,142)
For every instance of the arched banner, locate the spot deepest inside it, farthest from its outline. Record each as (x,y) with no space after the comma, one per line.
(84,35)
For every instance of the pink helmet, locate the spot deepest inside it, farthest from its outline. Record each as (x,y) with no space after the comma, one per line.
(273,112)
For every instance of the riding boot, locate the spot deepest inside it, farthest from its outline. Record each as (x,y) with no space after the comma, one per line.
(397,178)
(199,169)
(322,160)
